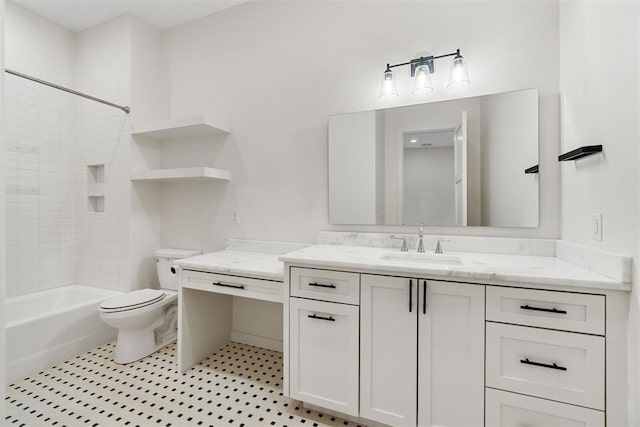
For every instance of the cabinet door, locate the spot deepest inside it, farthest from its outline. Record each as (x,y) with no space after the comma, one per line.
(388,356)
(324,354)
(450,354)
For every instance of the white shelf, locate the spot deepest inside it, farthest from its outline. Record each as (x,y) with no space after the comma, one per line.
(197,173)
(184,127)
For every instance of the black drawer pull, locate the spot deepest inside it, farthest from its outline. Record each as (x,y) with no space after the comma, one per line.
(543,365)
(547,310)
(315,316)
(410,295)
(320,285)
(226,285)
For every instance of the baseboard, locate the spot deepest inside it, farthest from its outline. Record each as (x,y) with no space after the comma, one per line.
(257,341)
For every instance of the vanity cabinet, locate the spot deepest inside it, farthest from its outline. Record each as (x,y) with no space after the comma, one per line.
(545,344)
(422,352)
(324,338)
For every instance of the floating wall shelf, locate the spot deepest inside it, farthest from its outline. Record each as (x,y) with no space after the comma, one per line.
(532,169)
(196,173)
(578,153)
(185,127)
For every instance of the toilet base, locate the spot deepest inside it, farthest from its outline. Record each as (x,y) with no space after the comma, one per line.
(135,344)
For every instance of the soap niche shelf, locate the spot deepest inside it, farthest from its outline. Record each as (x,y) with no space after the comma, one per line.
(95,188)
(580,152)
(174,131)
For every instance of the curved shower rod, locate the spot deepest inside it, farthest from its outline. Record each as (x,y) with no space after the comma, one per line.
(74,92)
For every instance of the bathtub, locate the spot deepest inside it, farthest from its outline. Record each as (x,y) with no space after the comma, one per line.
(48,327)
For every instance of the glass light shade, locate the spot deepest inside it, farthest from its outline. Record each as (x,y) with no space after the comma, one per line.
(388,88)
(459,75)
(422,81)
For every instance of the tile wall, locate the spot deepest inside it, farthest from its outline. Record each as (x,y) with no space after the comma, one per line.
(40,187)
(55,236)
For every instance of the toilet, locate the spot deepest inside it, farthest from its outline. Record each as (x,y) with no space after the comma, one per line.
(146,319)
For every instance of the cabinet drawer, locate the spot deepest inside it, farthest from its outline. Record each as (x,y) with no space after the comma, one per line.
(324,354)
(325,285)
(547,309)
(504,409)
(522,359)
(266,290)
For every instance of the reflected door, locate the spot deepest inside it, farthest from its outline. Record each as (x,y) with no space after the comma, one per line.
(460,176)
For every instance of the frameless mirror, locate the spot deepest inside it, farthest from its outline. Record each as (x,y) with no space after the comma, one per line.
(464,162)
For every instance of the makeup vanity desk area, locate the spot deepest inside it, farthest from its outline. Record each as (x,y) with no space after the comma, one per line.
(208,284)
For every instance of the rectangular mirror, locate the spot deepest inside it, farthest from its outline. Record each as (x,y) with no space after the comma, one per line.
(464,162)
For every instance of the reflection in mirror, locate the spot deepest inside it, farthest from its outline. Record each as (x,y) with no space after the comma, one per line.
(459,162)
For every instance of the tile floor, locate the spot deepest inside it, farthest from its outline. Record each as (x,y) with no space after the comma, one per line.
(239,385)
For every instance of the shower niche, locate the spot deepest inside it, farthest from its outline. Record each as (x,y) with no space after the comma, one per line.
(95,188)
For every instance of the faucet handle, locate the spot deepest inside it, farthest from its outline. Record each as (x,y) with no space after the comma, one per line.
(439,247)
(404,247)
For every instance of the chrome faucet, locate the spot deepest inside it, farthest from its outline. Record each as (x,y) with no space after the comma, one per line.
(439,247)
(404,247)
(420,236)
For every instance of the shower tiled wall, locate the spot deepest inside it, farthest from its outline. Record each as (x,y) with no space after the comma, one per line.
(54,237)
(40,186)
(103,137)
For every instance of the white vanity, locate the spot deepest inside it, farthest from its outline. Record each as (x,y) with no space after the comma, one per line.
(494,339)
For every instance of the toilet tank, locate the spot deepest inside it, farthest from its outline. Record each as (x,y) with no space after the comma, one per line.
(167,273)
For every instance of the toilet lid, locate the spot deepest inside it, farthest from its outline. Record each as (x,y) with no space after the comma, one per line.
(129,300)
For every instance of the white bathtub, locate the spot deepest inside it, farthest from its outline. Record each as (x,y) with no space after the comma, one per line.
(48,327)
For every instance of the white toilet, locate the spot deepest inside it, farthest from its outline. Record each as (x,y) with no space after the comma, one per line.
(146,319)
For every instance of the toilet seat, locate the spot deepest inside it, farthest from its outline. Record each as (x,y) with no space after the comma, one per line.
(132,300)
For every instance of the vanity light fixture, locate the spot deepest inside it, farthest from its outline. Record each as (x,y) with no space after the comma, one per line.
(421,70)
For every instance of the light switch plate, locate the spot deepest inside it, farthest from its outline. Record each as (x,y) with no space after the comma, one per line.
(596,226)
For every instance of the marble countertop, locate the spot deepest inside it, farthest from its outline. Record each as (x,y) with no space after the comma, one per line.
(238,263)
(484,267)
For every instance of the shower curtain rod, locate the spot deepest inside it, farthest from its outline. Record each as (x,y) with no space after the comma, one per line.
(74,92)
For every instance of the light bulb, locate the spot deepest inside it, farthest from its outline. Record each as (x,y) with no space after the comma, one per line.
(459,75)
(422,81)
(388,88)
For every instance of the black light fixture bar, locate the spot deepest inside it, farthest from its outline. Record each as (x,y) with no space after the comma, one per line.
(532,169)
(423,60)
(580,152)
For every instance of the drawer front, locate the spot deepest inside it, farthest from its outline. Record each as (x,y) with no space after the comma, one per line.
(504,409)
(266,290)
(325,285)
(555,365)
(547,309)
(324,354)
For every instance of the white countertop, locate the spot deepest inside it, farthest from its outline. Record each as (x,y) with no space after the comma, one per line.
(237,263)
(484,267)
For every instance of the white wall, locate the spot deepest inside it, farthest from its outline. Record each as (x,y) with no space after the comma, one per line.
(279,69)
(509,146)
(429,184)
(600,106)
(2,231)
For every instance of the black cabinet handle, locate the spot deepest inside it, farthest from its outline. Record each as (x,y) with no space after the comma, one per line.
(226,285)
(424,297)
(547,310)
(410,295)
(543,365)
(320,285)
(315,316)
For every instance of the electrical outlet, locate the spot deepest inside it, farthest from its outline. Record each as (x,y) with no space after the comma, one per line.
(235,216)
(596,226)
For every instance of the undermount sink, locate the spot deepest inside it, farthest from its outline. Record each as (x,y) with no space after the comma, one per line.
(426,258)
